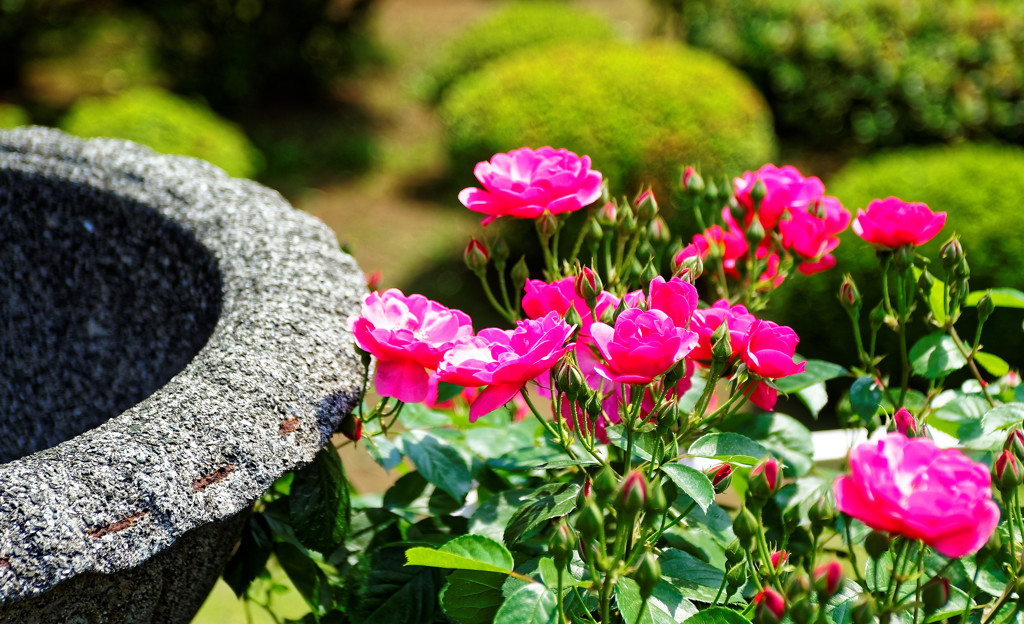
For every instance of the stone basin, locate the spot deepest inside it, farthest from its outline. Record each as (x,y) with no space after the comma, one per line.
(172,341)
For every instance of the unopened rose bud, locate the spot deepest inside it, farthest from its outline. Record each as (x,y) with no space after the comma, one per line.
(627,222)
(734,552)
(656,500)
(569,379)
(935,594)
(646,206)
(691,182)
(476,256)
(876,544)
(951,253)
(755,233)
(985,307)
(594,231)
(590,523)
(351,427)
(797,587)
(778,559)
(572,317)
(711,190)
(757,192)
(547,225)
(520,273)
(745,526)
(821,514)
(903,258)
(905,423)
(802,611)
(648,575)
(605,482)
(849,296)
(765,480)
(647,276)
(721,477)
(658,230)
(1006,472)
(633,495)
(877,317)
(770,607)
(721,344)
(608,215)
(736,576)
(688,264)
(827,579)
(373,281)
(562,543)
(817,208)
(1015,442)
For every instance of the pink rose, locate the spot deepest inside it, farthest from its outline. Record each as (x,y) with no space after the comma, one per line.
(730,244)
(911,487)
(643,345)
(408,336)
(676,298)
(769,355)
(542,297)
(812,235)
(504,361)
(528,183)
(786,190)
(892,223)
(706,321)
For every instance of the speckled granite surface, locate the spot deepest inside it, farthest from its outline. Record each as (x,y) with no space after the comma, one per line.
(171,341)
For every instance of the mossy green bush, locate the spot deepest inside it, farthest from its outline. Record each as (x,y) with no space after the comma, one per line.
(879,71)
(512,28)
(168,124)
(978,186)
(637,111)
(12,115)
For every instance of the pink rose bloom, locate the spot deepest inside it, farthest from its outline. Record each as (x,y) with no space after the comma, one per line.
(408,336)
(643,345)
(527,183)
(731,244)
(892,223)
(504,361)
(911,487)
(769,355)
(785,190)
(676,298)
(542,297)
(706,321)
(811,237)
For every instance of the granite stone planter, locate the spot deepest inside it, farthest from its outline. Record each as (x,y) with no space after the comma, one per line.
(172,340)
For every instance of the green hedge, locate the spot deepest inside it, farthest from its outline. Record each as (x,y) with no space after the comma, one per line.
(12,116)
(883,72)
(168,124)
(514,27)
(978,186)
(637,111)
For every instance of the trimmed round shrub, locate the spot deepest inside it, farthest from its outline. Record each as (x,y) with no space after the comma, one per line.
(168,124)
(637,111)
(12,116)
(513,28)
(978,186)
(879,71)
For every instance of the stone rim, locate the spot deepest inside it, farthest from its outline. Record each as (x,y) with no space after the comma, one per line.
(263,395)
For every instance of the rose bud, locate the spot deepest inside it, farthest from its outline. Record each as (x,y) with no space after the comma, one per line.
(520,273)
(351,427)
(691,182)
(562,542)
(827,579)
(849,296)
(935,594)
(547,225)
(985,307)
(720,475)
(757,192)
(658,230)
(765,479)
(771,607)
(633,495)
(607,215)
(648,575)
(373,281)
(588,285)
(646,205)
(1015,442)
(476,256)
(821,514)
(745,526)
(1006,472)
(951,254)
(605,482)
(877,544)
(778,559)
(905,423)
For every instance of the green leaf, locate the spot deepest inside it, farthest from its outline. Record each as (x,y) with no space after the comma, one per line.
(467,552)
(666,604)
(383,451)
(550,501)
(865,397)
(1001,297)
(936,356)
(494,514)
(1003,417)
(680,565)
(498,441)
(815,372)
(530,604)
(305,575)
(439,463)
(319,505)
(936,300)
(643,443)
(473,597)
(994,364)
(692,482)
(785,438)
(730,447)
(419,416)
(447,391)
(394,593)
(814,397)
(717,615)
(250,558)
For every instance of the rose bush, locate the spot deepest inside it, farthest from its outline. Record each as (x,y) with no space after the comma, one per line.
(614,455)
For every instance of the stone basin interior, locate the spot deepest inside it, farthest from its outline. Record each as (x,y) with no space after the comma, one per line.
(102,301)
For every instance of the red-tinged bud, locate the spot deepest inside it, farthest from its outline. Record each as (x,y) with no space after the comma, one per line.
(351,427)
(797,587)
(646,205)
(827,579)
(849,296)
(648,575)
(778,559)
(373,281)
(935,594)
(658,230)
(633,495)
(688,264)
(952,255)
(905,423)
(770,606)
(691,182)
(985,307)
(607,215)
(562,542)
(817,209)
(765,479)
(1015,442)
(721,477)
(547,225)
(1006,472)
(588,286)
(476,256)
(569,379)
